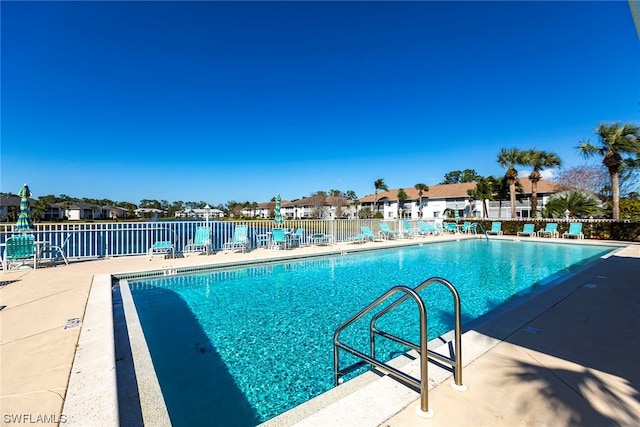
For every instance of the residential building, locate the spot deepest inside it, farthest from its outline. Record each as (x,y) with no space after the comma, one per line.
(200,213)
(452,198)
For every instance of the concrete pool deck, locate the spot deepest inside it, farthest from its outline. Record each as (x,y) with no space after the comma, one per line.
(573,361)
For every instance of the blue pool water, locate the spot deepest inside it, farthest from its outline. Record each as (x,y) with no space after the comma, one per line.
(238,347)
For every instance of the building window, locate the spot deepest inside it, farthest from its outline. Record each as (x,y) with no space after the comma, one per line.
(436,214)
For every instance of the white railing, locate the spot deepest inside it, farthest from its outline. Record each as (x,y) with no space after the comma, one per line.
(112,239)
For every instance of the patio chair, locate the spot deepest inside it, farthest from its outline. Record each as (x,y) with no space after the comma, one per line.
(201,242)
(528,230)
(496,228)
(575,230)
(386,232)
(466,227)
(296,239)
(55,252)
(240,240)
(550,230)
(162,247)
(369,235)
(278,239)
(19,249)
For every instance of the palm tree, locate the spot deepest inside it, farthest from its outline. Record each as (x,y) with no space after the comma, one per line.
(509,158)
(581,204)
(379,185)
(615,141)
(538,160)
(422,188)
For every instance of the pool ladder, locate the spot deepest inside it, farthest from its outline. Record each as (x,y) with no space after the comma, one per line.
(423,383)
(474,229)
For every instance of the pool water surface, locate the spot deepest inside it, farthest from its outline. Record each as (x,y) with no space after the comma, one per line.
(240,346)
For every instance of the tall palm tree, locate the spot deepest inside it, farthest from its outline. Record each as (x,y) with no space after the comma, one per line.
(616,140)
(509,158)
(538,160)
(422,188)
(379,185)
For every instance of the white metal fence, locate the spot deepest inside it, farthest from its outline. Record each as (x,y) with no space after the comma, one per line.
(112,239)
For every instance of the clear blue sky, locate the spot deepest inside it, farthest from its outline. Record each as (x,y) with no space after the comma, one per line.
(219,101)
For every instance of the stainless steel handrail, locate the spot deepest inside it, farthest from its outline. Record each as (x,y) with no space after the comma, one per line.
(456,362)
(476,225)
(423,383)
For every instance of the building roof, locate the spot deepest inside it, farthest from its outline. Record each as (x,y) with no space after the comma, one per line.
(448,191)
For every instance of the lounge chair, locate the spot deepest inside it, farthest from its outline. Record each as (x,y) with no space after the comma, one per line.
(496,228)
(163,247)
(368,234)
(575,230)
(358,238)
(407,231)
(528,230)
(467,228)
(202,241)
(551,230)
(423,230)
(278,239)
(386,232)
(451,227)
(240,240)
(19,249)
(55,252)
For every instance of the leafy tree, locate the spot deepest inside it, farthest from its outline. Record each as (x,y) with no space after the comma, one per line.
(456,177)
(150,204)
(402,197)
(538,160)
(422,188)
(581,204)
(350,194)
(234,208)
(378,185)
(509,158)
(365,213)
(630,209)
(484,191)
(615,141)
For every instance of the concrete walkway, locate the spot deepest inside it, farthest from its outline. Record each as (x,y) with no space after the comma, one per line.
(578,369)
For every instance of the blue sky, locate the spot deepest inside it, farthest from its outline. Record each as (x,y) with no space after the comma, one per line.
(219,101)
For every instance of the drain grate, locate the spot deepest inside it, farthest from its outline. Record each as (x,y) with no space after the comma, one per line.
(532,330)
(590,286)
(72,323)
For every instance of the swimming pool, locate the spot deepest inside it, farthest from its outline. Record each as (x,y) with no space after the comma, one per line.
(238,347)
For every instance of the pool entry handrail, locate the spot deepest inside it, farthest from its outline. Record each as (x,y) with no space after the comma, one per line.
(423,383)
(474,230)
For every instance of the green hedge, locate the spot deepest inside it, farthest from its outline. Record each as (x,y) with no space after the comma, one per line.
(628,231)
